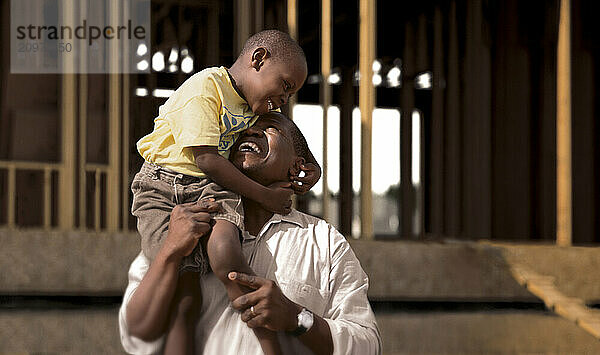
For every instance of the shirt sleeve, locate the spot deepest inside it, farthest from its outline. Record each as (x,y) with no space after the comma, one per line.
(132,344)
(196,122)
(349,314)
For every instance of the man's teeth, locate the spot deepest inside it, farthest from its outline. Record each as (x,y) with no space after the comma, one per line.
(249,147)
(270,104)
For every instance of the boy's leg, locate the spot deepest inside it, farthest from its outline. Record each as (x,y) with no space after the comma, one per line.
(225,255)
(185,311)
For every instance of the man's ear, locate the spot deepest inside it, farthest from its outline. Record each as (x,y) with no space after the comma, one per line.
(295,168)
(258,57)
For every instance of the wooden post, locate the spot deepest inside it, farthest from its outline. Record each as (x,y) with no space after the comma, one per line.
(436,197)
(114,129)
(242,11)
(68,107)
(564,210)
(47,197)
(366,105)
(325,94)
(407,101)
(452,142)
(346,196)
(11,196)
(83,110)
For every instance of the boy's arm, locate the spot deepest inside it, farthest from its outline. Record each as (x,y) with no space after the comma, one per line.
(224,173)
(311,169)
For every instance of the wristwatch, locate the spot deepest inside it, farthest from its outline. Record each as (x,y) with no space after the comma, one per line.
(305,322)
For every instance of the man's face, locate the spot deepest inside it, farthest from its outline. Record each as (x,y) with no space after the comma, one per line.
(265,151)
(271,83)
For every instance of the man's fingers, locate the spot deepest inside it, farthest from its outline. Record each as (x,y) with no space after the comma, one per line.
(283,184)
(244,302)
(256,322)
(202,217)
(208,205)
(304,179)
(247,280)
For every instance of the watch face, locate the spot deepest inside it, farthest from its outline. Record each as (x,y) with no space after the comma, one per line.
(305,318)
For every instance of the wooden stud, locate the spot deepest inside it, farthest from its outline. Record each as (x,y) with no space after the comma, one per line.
(68,108)
(366,105)
(325,95)
(11,196)
(47,197)
(564,208)
(114,130)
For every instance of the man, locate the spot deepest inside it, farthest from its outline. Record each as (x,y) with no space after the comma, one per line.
(318,297)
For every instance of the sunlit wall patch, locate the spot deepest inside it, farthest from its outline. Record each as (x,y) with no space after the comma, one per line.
(80,36)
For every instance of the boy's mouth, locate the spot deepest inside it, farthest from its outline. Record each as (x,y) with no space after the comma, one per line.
(270,104)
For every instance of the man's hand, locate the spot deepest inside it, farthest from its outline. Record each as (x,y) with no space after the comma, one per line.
(270,308)
(189,222)
(312,174)
(279,198)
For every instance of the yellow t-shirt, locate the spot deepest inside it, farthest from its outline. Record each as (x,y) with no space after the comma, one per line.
(204,110)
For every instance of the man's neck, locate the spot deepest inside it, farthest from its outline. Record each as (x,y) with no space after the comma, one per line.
(255,216)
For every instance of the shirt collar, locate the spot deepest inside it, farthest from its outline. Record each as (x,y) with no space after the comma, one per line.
(294,217)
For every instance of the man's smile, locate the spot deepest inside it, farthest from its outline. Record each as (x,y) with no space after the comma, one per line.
(249,147)
(253,145)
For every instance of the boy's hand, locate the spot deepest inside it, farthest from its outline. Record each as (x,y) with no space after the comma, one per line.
(279,198)
(312,174)
(189,222)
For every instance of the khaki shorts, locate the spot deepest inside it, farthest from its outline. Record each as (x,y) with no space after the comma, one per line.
(156,191)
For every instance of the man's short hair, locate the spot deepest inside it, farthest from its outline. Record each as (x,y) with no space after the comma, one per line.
(278,43)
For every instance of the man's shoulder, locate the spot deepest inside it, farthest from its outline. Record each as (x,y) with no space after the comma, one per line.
(319,227)
(304,220)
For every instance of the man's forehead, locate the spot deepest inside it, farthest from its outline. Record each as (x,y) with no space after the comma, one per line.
(278,120)
(273,118)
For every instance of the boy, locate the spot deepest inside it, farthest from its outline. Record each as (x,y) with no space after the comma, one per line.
(186,160)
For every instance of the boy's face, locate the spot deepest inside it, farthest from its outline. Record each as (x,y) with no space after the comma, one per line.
(270,83)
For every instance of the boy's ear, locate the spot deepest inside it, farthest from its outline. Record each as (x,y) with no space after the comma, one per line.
(258,57)
(295,168)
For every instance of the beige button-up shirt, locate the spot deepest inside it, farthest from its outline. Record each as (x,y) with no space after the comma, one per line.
(313,265)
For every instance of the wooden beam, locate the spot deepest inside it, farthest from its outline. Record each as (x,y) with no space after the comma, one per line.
(564,208)
(366,105)
(114,129)
(407,205)
(242,15)
(452,142)
(346,195)
(66,188)
(436,197)
(82,118)
(325,95)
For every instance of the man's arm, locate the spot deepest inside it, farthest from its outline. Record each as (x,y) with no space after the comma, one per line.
(147,311)
(224,173)
(274,311)
(350,326)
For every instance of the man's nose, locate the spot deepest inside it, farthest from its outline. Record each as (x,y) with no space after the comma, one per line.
(285,98)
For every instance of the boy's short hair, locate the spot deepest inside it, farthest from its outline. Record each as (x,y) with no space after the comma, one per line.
(278,43)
